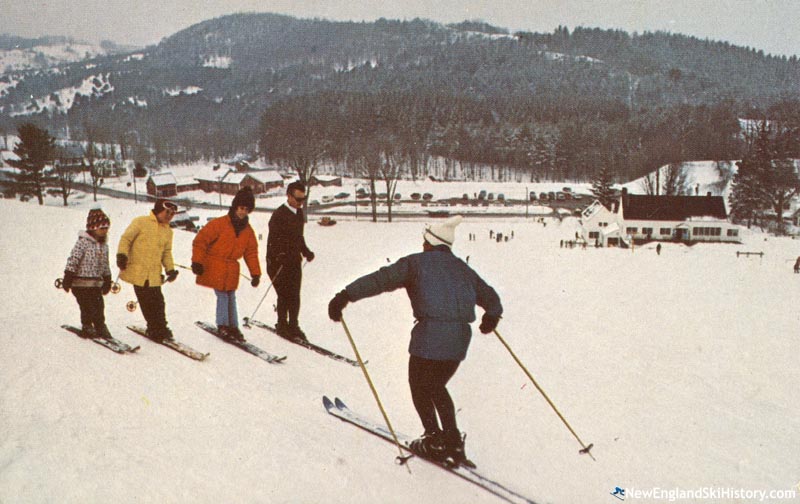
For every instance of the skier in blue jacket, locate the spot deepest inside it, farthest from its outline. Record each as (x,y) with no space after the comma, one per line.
(443,291)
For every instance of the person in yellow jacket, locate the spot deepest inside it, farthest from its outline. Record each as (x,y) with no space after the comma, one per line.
(144,248)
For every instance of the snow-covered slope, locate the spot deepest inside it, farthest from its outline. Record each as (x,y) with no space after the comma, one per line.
(681,369)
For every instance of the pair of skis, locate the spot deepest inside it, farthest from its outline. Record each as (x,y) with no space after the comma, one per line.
(248,322)
(111,343)
(121,347)
(339,409)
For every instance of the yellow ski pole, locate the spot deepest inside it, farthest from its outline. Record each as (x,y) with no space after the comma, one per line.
(401,458)
(584,449)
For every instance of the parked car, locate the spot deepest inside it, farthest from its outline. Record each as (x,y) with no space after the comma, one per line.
(313,202)
(465,197)
(501,197)
(398,196)
(543,196)
(560,196)
(533,196)
(490,196)
(342,195)
(427,196)
(566,189)
(415,196)
(361,193)
(482,195)
(577,196)
(327,199)
(551,195)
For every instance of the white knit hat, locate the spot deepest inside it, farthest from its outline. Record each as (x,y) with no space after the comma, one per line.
(444,233)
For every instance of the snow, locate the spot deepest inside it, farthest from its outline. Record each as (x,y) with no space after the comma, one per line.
(189,90)
(61,101)
(217,61)
(681,368)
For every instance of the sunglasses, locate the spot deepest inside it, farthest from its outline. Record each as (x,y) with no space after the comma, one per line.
(300,199)
(172,207)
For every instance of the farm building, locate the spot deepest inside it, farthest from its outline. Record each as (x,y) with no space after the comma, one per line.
(229,182)
(325,181)
(162,185)
(664,218)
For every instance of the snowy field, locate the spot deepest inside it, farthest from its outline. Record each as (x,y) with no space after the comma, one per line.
(681,368)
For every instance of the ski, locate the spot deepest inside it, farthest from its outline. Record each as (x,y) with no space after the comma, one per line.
(171,343)
(306,344)
(110,343)
(340,410)
(247,347)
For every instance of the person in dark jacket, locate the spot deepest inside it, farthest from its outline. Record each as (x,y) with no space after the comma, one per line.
(443,291)
(286,248)
(216,251)
(88,274)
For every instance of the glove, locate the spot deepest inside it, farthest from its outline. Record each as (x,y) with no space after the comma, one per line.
(122,261)
(106,288)
(337,304)
(67,282)
(172,275)
(309,256)
(197,268)
(488,323)
(256,280)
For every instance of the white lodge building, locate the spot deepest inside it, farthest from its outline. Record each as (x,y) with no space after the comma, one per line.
(662,218)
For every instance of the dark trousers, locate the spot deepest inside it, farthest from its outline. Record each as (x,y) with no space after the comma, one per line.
(151,301)
(90,301)
(428,380)
(287,283)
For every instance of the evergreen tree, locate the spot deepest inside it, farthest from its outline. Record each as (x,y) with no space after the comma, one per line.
(35,150)
(601,187)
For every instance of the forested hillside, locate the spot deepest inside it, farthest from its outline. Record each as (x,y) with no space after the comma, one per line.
(559,105)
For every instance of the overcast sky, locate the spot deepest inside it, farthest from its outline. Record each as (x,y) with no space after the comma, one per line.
(771,25)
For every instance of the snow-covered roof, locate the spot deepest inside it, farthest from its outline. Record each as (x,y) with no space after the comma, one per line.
(266,177)
(8,155)
(162,179)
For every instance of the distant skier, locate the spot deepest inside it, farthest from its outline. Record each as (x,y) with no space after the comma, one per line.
(88,274)
(286,247)
(797,265)
(443,291)
(658,250)
(146,246)
(216,251)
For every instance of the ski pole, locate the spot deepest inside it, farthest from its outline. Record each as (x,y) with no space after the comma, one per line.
(188,268)
(402,459)
(247,320)
(584,449)
(116,287)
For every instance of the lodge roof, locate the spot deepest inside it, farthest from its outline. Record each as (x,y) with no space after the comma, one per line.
(672,208)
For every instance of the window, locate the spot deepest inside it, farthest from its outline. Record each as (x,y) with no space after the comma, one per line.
(631,230)
(647,231)
(707,231)
(593,235)
(603,224)
(733,232)
(666,231)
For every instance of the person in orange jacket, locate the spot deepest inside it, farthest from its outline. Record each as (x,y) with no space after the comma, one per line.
(216,251)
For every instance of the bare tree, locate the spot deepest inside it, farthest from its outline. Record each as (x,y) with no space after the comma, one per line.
(65,177)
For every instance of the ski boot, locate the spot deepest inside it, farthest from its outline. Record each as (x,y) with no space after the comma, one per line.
(430,446)
(103,332)
(454,452)
(235,334)
(282,329)
(297,334)
(88,332)
(160,335)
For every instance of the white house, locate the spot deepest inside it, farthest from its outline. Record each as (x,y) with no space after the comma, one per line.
(664,218)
